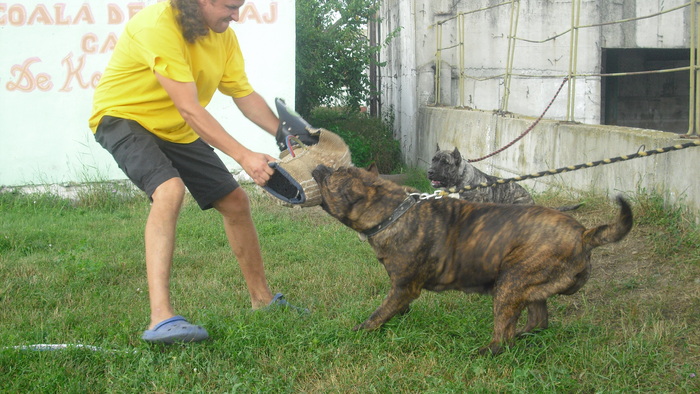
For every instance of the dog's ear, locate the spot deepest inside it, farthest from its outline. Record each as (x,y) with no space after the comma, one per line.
(437,146)
(457,156)
(373,169)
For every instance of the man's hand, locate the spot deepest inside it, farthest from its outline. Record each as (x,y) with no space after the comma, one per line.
(257,166)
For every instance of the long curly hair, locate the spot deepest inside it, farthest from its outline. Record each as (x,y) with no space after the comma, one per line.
(190,19)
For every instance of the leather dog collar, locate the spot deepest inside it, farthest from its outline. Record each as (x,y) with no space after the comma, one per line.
(405,205)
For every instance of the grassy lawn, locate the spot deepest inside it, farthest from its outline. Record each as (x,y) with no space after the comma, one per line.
(73,273)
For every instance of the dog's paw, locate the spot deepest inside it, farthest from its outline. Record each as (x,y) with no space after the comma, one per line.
(363,326)
(404,311)
(491,350)
(366,325)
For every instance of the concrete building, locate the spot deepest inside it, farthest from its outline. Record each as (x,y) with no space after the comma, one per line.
(475,74)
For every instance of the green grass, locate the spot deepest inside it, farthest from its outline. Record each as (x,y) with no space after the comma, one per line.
(73,273)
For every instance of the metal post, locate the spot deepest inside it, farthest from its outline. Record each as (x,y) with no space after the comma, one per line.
(373,66)
(438,62)
(573,58)
(514,14)
(691,94)
(460,21)
(694,94)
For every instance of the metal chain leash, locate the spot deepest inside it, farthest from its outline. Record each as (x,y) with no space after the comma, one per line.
(529,129)
(502,181)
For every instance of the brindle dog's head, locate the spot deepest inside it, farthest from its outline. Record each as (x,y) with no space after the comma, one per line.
(356,197)
(343,191)
(445,169)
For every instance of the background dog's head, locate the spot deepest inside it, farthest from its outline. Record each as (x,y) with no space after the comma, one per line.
(449,169)
(445,168)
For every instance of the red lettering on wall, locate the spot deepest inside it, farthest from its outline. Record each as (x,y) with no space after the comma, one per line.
(87,43)
(115,15)
(109,43)
(84,14)
(60,19)
(41,15)
(26,81)
(16,15)
(76,73)
(250,12)
(272,16)
(134,8)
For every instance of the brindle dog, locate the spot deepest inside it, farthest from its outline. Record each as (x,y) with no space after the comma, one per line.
(520,254)
(449,170)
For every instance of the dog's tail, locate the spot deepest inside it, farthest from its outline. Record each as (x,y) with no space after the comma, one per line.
(565,208)
(613,232)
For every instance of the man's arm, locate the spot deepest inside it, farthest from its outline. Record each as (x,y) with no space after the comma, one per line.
(184,96)
(254,107)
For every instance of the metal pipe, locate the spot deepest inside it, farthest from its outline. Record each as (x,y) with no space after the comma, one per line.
(573,50)
(694,70)
(514,15)
(693,44)
(438,62)
(461,60)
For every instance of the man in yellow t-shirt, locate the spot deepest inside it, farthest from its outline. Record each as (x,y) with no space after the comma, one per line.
(149,113)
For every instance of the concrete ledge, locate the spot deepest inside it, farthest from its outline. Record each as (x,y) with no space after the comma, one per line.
(554,144)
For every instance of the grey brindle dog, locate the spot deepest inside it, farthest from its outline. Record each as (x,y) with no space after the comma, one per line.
(449,170)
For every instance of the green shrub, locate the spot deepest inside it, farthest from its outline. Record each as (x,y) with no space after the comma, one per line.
(370,139)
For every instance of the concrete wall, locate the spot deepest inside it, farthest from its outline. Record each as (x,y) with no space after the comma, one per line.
(554,144)
(408,79)
(409,91)
(538,62)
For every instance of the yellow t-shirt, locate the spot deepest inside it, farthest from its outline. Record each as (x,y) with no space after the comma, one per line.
(152,42)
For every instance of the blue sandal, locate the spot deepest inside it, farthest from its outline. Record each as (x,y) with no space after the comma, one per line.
(279,301)
(175,329)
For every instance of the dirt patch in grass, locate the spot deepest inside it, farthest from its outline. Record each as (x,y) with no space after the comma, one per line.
(649,279)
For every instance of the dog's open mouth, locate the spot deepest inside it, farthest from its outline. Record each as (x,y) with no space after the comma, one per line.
(436,184)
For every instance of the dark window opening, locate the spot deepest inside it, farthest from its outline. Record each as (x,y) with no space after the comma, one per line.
(656,101)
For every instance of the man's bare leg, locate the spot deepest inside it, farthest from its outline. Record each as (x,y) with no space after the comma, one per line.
(160,244)
(243,238)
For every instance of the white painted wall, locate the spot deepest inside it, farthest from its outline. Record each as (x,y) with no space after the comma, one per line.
(52,55)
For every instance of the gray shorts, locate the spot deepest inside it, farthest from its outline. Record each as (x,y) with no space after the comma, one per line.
(149,161)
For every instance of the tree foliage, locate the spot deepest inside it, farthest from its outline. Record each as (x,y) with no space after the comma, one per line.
(333,53)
